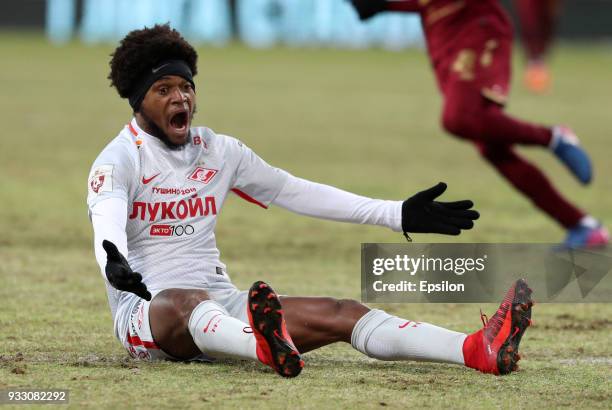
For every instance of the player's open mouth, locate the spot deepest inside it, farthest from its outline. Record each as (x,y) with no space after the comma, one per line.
(179,121)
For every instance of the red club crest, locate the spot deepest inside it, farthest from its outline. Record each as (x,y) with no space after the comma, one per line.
(203,175)
(96,182)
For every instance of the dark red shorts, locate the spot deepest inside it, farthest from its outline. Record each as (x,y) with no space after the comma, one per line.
(479,58)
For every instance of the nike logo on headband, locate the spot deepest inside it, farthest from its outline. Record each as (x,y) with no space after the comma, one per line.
(154,70)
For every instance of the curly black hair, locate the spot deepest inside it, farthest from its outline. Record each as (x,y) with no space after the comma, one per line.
(141,50)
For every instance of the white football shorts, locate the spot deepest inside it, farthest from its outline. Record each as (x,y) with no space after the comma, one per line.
(132,320)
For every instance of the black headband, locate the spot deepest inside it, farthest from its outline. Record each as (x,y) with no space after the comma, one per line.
(168,67)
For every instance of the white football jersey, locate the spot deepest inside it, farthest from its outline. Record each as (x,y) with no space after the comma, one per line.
(174,197)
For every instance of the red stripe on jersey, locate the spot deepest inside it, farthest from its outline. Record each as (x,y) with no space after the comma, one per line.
(248,198)
(132,130)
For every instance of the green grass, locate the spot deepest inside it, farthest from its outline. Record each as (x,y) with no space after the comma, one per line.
(365,121)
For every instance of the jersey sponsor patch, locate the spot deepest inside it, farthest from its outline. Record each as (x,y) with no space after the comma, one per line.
(171,230)
(101,179)
(203,175)
(161,230)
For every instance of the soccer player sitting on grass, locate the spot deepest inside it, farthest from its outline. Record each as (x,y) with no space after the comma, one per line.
(154,194)
(470,47)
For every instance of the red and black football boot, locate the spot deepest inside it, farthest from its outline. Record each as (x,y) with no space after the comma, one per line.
(494,348)
(274,345)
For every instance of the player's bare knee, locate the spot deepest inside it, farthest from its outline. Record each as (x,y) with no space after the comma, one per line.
(174,306)
(351,309)
(343,316)
(346,313)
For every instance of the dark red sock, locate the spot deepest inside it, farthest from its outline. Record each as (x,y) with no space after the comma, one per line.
(532,183)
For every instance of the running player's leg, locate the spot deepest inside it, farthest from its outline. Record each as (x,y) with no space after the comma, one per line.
(475,88)
(582,229)
(469,115)
(475,85)
(531,182)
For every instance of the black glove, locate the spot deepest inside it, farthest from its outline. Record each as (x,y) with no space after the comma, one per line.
(119,273)
(368,8)
(420,213)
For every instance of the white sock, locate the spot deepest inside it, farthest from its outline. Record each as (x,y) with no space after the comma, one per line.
(560,133)
(385,337)
(218,334)
(589,222)
(554,140)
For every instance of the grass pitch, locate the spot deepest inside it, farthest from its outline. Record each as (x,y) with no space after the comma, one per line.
(365,121)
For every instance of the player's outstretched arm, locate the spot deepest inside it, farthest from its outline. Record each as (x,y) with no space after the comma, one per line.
(119,273)
(422,214)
